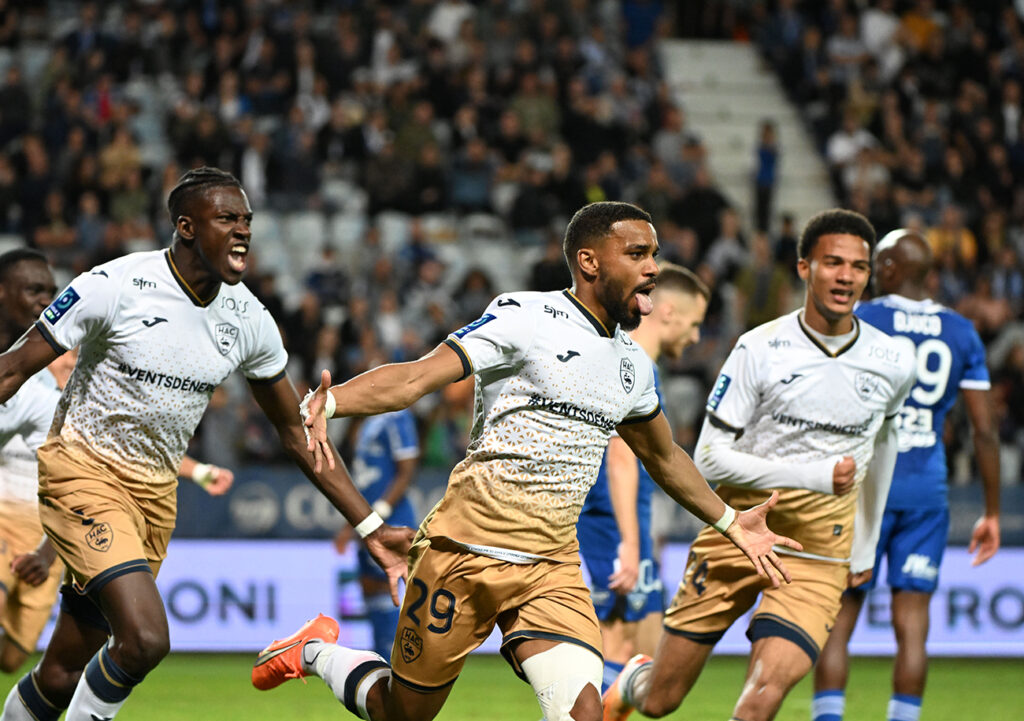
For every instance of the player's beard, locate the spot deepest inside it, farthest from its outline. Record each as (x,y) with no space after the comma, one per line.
(612,296)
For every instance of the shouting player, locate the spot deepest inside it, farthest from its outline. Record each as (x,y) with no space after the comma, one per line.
(950,358)
(158,332)
(805,403)
(614,529)
(29,570)
(556,373)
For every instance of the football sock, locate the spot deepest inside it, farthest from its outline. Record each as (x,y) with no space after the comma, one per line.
(384,617)
(611,672)
(634,687)
(828,705)
(102,689)
(26,703)
(349,673)
(904,708)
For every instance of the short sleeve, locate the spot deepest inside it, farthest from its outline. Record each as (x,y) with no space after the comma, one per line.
(28,413)
(266,363)
(80,312)
(975,367)
(496,339)
(648,405)
(402,436)
(735,394)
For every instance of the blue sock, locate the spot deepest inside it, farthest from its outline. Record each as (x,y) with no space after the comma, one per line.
(828,705)
(611,672)
(904,708)
(383,617)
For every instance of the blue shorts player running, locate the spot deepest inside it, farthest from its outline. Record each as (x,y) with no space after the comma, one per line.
(387,454)
(950,359)
(614,529)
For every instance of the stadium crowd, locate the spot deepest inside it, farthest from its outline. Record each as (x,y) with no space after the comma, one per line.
(386,146)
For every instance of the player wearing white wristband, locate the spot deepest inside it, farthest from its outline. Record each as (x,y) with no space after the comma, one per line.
(803,404)
(555,374)
(158,331)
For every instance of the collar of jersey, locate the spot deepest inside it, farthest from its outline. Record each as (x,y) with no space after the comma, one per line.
(824,349)
(600,327)
(196,300)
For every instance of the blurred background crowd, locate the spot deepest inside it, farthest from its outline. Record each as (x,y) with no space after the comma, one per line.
(408,160)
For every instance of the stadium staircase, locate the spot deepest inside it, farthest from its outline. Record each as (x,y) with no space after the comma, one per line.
(726,91)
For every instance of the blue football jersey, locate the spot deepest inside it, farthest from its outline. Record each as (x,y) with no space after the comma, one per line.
(597,531)
(383,441)
(950,356)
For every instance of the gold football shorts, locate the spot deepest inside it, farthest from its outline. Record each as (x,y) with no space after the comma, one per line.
(455,598)
(720,585)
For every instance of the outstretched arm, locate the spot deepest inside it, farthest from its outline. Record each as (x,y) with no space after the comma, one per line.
(985,536)
(388,545)
(673,470)
(386,388)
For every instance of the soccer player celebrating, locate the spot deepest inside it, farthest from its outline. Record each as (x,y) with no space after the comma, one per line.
(805,403)
(555,375)
(158,332)
(950,357)
(29,570)
(614,529)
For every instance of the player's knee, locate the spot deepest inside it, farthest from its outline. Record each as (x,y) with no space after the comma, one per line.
(140,650)
(11,659)
(567,681)
(657,706)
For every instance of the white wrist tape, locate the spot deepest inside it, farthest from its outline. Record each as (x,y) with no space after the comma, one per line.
(726,520)
(382,508)
(330,405)
(203,474)
(369,524)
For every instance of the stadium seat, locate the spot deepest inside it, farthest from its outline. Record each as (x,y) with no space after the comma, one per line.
(395,230)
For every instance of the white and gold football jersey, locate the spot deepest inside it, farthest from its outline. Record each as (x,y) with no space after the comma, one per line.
(24,423)
(151,355)
(552,383)
(786,397)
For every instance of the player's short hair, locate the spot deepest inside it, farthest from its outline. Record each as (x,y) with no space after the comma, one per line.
(593,222)
(833,222)
(680,279)
(193,184)
(12,257)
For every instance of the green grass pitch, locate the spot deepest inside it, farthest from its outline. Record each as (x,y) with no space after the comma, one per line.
(216,686)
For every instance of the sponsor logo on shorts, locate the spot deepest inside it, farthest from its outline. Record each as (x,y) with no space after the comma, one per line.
(411,645)
(467,329)
(918,565)
(56,310)
(227,335)
(627,374)
(718,392)
(100,537)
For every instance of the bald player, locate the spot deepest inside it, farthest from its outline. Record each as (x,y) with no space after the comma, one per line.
(950,359)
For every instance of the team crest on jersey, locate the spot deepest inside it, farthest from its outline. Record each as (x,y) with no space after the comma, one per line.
(100,536)
(866,385)
(627,374)
(227,335)
(411,645)
(62,305)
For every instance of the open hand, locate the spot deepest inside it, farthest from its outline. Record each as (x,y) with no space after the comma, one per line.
(314,423)
(627,569)
(984,539)
(751,535)
(30,568)
(389,547)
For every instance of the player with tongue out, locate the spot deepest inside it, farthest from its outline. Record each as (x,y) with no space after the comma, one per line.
(556,373)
